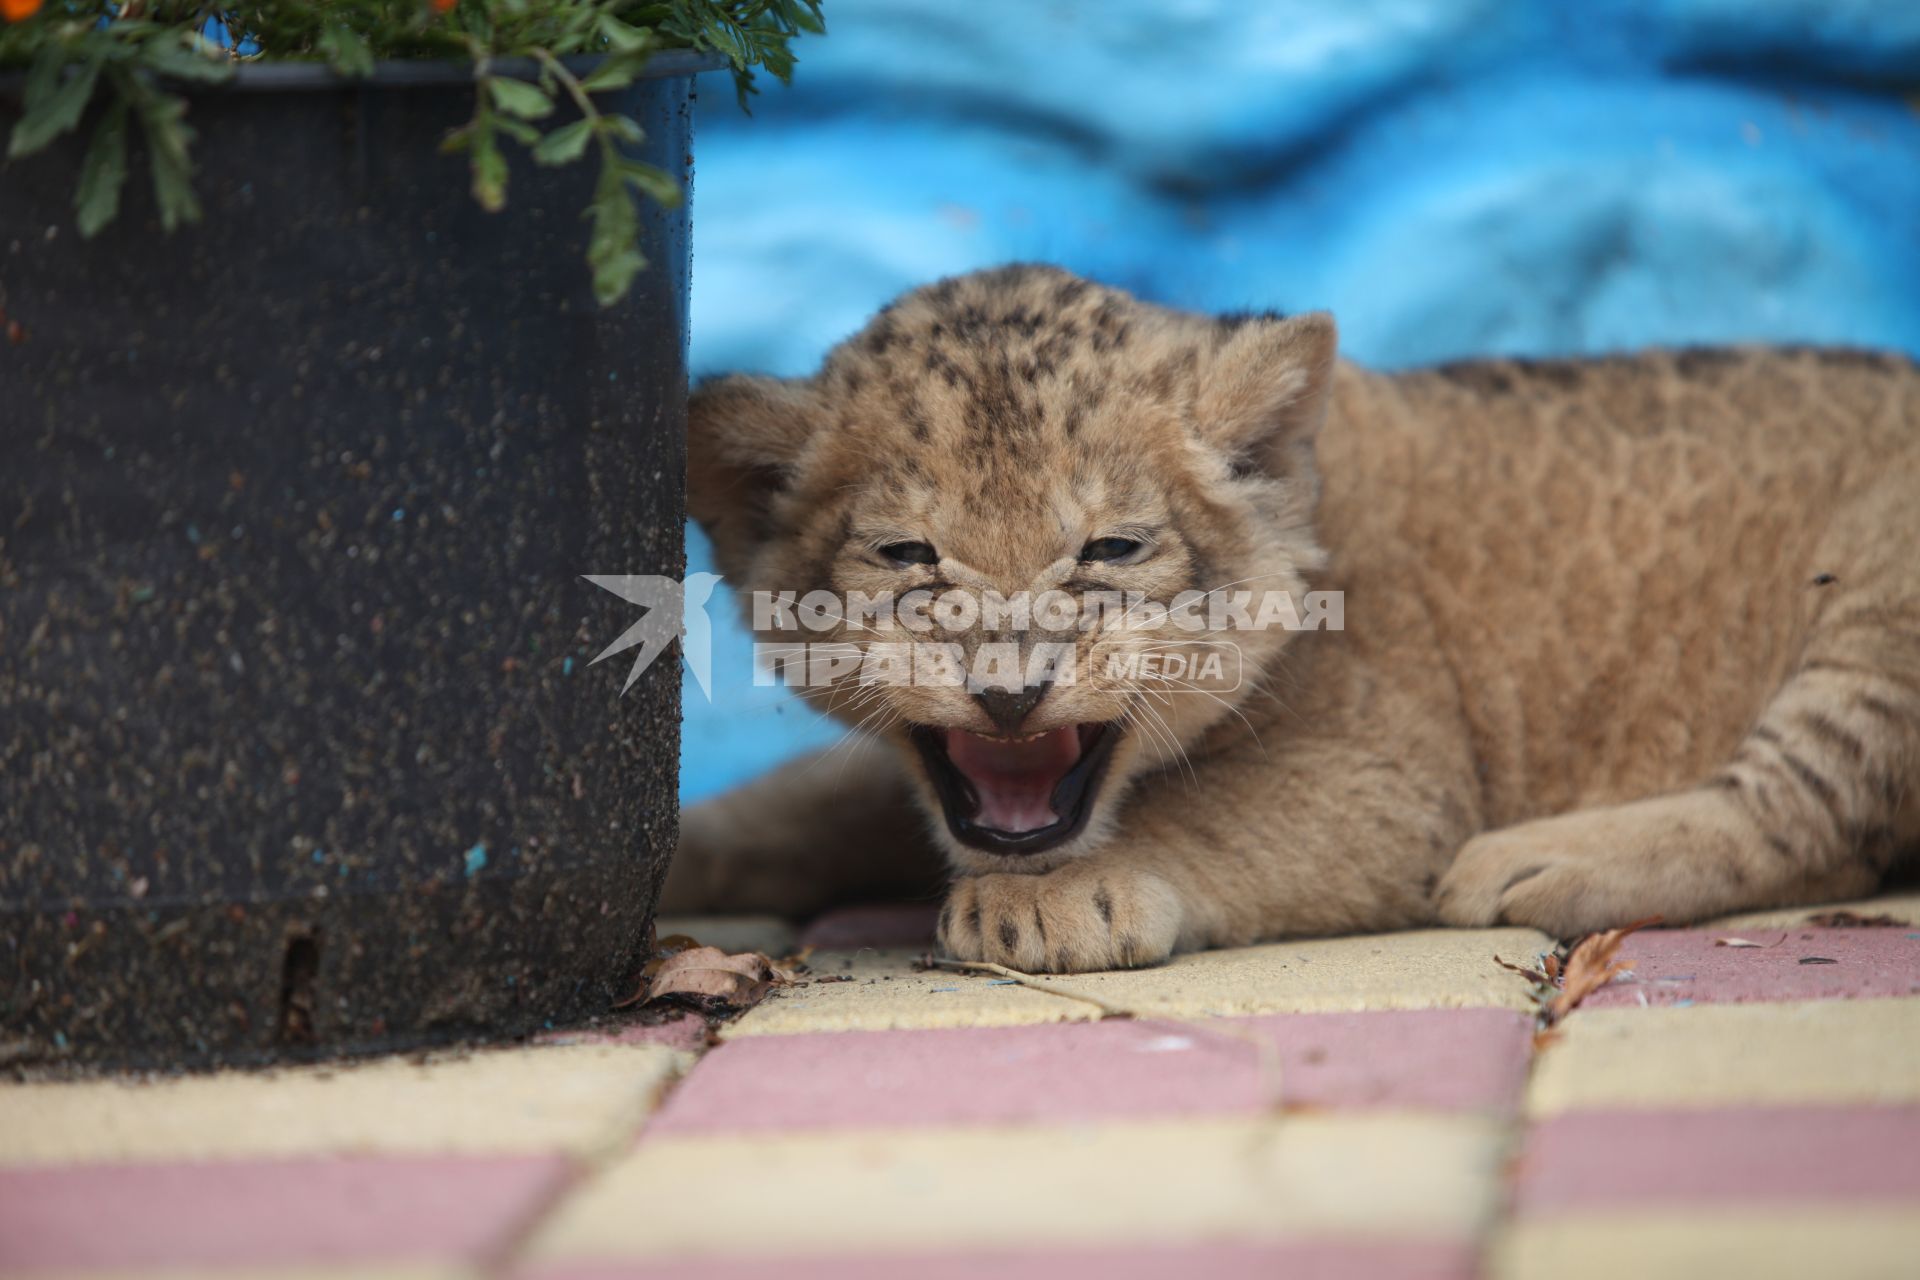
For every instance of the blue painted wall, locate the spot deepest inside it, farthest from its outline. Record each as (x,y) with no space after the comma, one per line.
(1449,177)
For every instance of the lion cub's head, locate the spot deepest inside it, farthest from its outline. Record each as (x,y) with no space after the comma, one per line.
(1021,435)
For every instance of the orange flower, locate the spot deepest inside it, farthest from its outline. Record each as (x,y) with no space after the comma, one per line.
(439,6)
(18,10)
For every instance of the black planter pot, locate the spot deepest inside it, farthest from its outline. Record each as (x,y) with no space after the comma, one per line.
(299,752)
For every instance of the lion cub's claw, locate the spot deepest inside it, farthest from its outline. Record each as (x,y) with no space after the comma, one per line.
(1073,920)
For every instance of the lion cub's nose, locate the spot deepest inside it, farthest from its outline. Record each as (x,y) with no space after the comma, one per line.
(1008,707)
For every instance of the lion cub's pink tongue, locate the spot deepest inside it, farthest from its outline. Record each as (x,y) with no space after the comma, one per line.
(1014,780)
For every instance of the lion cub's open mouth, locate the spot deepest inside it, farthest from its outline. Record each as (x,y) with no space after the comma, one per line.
(1017,795)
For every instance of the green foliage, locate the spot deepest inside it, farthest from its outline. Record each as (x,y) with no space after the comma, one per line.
(103,171)
(134,60)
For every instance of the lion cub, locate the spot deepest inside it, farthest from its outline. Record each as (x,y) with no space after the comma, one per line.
(1612,638)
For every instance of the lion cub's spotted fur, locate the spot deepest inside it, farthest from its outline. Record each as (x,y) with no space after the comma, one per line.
(1623,637)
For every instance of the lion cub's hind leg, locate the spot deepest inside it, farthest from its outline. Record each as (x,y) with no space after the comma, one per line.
(1817,803)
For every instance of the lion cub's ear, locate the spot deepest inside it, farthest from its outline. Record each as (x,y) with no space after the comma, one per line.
(745,436)
(1263,392)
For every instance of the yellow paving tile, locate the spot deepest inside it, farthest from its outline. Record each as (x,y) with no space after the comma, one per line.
(1433,969)
(562,1097)
(884,990)
(1901,906)
(1381,1175)
(1757,1244)
(1437,968)
(1827,1051)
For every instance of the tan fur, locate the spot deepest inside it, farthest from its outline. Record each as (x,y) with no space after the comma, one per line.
(1623,637)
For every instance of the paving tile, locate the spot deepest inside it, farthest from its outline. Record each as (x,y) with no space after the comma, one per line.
(1438,1058)
(312,1213)
(1321,1259)
(1904,906)
(1450,968)
(357,1271)
(1829,1052)
(910,925)
(1689,1244)
(686,1032)
(578,1098)
(1437,968)
(1592,1160)
(1693,966)
(883,990)
(1371,1176)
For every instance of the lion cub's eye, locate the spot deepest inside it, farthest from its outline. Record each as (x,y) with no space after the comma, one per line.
(1113,550)
(910,553)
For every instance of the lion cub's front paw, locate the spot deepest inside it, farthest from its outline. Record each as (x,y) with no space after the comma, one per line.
(1475,892)
(1565,876)
(1078,918)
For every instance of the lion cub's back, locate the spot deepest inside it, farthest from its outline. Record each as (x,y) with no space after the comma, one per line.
(1620,554)
(1770,406)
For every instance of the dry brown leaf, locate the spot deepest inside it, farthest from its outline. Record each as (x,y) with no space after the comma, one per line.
(789,968)
(663,949)
(708,978)
(1534,976)
(1591,966)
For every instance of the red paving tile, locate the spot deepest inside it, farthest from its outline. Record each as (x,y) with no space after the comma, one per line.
(851,928)
(1322,1260)
(1669,1159)
(265,1213)
(1068,1072)
(1677,966)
